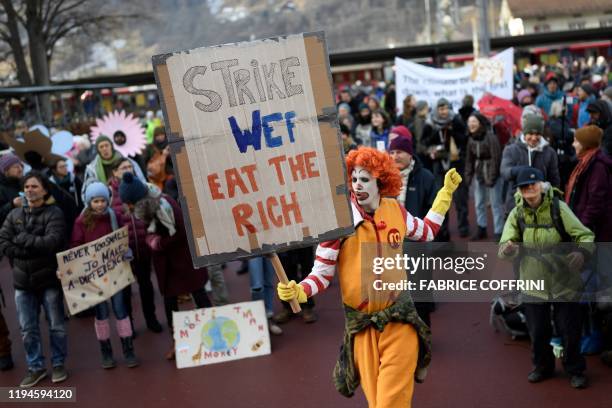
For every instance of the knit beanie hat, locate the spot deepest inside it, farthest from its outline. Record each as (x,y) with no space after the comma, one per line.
(8,160)
(522,95)
(442,102)
(101,139)
(363,105)
(403,143)
(132,189)
(95,190)
(533,124)
(588,89)
(589,136)
(401,131)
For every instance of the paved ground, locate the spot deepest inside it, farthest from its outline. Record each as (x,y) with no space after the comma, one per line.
(472,366)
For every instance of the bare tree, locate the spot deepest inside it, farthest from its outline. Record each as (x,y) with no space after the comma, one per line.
(34,28)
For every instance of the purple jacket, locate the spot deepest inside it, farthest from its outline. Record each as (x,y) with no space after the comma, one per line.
(591,199)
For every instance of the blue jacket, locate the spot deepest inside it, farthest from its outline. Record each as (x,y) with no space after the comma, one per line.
(583,115)
(546,99)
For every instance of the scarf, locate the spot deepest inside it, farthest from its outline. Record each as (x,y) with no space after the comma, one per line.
(405,176)
(584,160)
(164,212)
(101,163)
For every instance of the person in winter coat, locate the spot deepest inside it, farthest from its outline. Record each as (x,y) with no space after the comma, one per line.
(97,220)
(560,136)
(386,345)
(446,148)
(467,108)
(586,95)
(408,112)
(422,130)
(379,136)
(101,168)
(531,223)
(167,240)
(551,93)
(416,195)
(157,159)
(531,149)
(141,262)
(482,163)
(364,124)
(11,171)
(30,237)
(601,116)
(67,181)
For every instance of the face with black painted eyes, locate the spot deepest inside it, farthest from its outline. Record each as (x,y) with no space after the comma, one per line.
(365,188)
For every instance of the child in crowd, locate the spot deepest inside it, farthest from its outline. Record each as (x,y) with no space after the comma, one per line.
(97,220)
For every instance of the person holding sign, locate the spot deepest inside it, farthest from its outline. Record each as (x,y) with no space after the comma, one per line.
(386,345)
(97,220)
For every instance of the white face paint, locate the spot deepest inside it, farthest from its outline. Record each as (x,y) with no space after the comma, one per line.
(365,189)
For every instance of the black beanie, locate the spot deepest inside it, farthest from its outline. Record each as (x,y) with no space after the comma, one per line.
(131,189)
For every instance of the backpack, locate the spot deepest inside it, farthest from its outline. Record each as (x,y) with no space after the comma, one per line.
(507,314)
(555,215)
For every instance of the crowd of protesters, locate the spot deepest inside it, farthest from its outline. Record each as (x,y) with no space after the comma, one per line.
(559,157)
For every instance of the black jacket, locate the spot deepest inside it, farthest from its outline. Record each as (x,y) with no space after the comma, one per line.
(9,189)
(420,190)
(30,238)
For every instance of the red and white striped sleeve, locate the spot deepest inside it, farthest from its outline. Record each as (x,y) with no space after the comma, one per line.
(324,268)
(422,229)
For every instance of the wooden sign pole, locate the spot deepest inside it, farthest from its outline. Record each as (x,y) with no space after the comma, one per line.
(282,277)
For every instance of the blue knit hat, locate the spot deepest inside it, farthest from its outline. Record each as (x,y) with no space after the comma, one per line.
(96,189)
(132,189)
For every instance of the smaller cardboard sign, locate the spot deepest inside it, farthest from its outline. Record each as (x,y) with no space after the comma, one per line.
(95,271)
(220,334)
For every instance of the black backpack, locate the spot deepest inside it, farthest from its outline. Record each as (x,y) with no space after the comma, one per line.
(555,215)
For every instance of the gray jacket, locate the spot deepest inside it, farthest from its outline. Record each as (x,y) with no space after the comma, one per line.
(542,157)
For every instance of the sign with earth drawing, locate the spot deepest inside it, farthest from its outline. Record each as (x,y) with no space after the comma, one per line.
(220,334)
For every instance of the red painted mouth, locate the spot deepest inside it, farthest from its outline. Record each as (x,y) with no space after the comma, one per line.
(362,196)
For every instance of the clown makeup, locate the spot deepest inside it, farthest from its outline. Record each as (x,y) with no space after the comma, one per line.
(365,188)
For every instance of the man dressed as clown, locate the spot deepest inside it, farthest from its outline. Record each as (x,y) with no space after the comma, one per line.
(386,345)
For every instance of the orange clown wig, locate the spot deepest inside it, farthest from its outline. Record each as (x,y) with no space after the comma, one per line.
(380,165)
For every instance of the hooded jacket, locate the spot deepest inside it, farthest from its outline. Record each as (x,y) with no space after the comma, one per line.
(546,99)
(604,123)
(30,238)
(539,262)
(542,157)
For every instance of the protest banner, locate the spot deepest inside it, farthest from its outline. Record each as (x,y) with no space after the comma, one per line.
(493,75)
(254,139)
(219,334)
(95,271)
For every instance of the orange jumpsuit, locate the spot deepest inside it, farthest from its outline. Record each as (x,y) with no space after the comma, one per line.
(386,361)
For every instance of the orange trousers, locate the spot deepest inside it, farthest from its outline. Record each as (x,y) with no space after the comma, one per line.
(386,363)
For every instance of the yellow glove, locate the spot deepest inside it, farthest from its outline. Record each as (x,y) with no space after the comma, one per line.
(290,291)
(442,203)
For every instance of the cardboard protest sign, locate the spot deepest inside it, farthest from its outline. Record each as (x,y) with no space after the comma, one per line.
(95,271)
(255,143)
(493,75)
(220,334)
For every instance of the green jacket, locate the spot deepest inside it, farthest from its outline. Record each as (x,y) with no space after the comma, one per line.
(540,258)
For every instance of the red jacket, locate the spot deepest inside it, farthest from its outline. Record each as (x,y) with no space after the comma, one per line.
(102,226)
